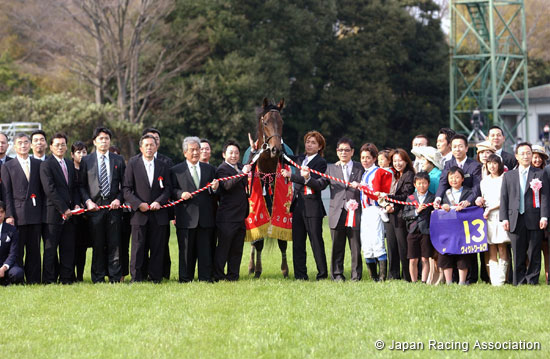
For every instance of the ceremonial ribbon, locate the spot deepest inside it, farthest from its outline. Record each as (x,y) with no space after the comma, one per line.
(365,189)
(536,185)
(170,204)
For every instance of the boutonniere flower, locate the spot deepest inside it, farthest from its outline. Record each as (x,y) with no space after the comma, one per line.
(351,206)
(160,181)
(116,167)
(33,197)
(536,185)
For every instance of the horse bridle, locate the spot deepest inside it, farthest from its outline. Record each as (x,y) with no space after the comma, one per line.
(265,145)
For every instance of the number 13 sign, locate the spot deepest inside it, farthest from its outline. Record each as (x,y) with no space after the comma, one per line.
(459,232)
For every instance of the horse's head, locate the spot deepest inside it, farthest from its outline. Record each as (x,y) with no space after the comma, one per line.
(270,128)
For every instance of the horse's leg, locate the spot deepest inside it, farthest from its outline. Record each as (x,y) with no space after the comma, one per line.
(259,245)
(284,264)
(251,266)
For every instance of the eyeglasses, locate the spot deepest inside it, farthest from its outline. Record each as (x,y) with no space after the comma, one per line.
(60,145)
(343,150)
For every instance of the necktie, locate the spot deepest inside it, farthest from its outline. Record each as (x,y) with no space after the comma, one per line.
(345,170)
(27,170)
(195,175)
(306,161)
(522,184)
(150,173)
(103,178)
(65,172)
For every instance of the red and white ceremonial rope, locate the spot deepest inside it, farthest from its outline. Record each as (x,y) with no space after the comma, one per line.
(172,204)
(75,212)
(363,188)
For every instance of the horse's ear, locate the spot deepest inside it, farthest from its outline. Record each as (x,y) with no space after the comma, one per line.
(281,104)
(266,102)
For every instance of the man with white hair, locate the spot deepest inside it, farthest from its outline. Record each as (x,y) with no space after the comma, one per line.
(195,217)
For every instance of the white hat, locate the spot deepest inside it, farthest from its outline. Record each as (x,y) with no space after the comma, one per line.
(540,150)
(430,153)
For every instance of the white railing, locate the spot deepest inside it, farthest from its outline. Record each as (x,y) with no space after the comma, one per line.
(11,129)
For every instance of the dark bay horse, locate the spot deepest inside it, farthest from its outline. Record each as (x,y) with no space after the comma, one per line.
(269,140)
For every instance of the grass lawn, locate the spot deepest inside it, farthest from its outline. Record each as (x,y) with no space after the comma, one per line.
(269,317)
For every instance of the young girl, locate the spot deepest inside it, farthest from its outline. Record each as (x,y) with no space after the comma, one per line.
(384,162)
(457,198)
(497,237)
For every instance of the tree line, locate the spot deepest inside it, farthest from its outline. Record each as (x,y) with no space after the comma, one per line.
(375,70)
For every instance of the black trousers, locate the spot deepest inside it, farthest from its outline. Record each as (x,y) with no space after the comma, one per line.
(526,244)
(167,262)
(195,244)
(82,243)
(396,237)
(302,227)
(62,237)
(339,235)
(105,227)
(29,245)
(124,252)
(229,250)
(14,275)
(151,238)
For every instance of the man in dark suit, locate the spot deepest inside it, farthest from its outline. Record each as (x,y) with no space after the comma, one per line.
(24,199)
(10,272)
(232,212)
(39,145)
(102,175)
(59,182)
(340,196)
(196,216)
(167,263)
(497,139)
(146,187)
(307,207)
(524,213)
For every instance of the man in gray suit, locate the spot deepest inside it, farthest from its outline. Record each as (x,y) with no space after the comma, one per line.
(524,213)
(340,196)
(196,216)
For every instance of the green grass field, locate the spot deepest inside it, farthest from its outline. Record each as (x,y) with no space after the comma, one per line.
(269,317)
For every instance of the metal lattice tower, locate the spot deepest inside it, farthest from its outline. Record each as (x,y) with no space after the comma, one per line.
(488,61)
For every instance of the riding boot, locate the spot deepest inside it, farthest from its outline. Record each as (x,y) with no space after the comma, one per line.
(373,271)
(251,266)
(383,270)
(284,265)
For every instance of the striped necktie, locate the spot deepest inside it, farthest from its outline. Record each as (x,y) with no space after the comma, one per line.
(103,178)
